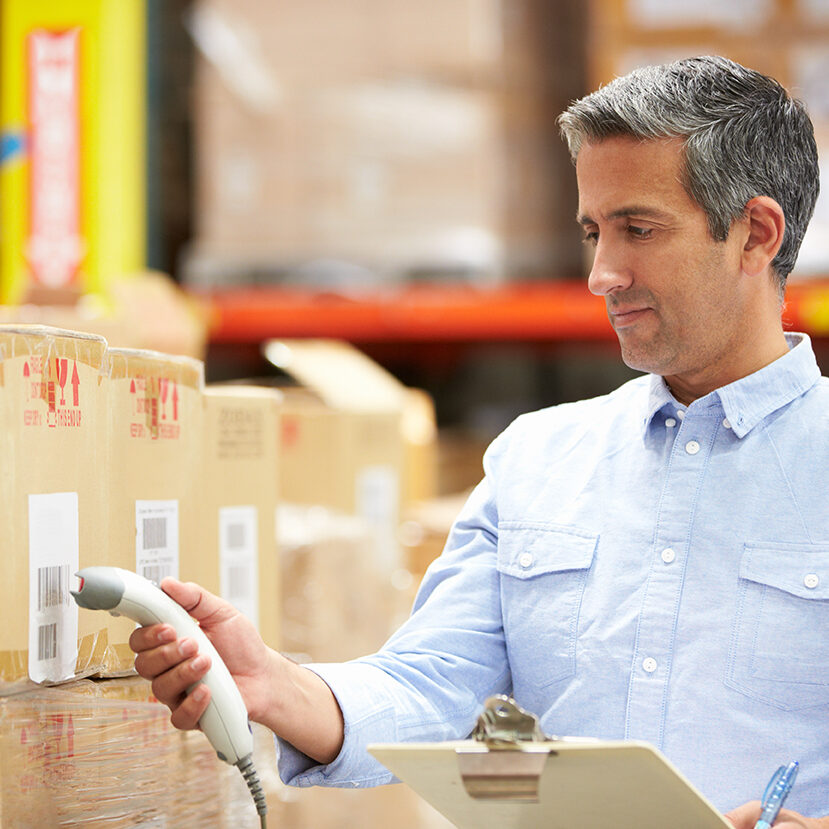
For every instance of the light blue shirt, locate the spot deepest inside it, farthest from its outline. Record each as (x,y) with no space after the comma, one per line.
(630,568)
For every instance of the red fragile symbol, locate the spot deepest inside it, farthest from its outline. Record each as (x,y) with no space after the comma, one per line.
(61,372)
(163,384)
(175,401)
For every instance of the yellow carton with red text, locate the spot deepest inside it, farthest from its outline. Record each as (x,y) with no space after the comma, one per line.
(72,131)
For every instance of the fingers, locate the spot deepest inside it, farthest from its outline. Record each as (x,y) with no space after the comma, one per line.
(151,636)
(745,816)
(198,602)
(187,715)
(173,668)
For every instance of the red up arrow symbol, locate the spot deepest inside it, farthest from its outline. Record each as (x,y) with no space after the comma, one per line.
(75,383)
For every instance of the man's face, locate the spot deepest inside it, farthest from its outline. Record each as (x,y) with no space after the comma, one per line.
(672,292)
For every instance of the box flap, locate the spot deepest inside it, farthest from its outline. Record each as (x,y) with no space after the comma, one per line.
(341,375)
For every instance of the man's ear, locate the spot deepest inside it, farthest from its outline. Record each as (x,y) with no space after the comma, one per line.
(766,223)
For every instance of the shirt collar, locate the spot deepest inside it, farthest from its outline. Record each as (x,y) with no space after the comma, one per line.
(746,401)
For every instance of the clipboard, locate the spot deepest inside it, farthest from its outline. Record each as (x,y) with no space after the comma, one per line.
(514,781)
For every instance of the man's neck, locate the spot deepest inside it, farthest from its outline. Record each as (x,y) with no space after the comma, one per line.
(757,354)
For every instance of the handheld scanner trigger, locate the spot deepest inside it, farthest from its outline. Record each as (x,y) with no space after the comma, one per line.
(100,588)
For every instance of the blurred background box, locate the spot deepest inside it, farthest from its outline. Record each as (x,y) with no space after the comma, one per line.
(238,555)
(338,603)
(145,310)
(412,140)
(425,529)
(342,436)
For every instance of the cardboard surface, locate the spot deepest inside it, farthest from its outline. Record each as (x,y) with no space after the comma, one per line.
(153,427)
(238,549)
(342,440)
(591,785)
(51,391)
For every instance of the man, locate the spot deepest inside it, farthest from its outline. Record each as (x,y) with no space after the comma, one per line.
(652,564)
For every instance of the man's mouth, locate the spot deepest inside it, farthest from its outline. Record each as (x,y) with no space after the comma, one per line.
(622,317)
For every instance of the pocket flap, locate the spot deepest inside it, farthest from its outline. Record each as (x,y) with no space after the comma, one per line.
(526,550)
(799,569)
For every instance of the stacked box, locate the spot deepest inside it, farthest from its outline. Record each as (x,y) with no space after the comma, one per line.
(238,503)
(337,604)
(153,429)
(105,754)
(51,398)
(409,140)
(342,444)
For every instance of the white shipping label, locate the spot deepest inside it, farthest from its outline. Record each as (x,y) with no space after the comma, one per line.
(238,559)
(53,562)
(377,496)
(156,539)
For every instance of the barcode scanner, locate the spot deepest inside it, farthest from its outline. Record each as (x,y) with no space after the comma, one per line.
(225,721)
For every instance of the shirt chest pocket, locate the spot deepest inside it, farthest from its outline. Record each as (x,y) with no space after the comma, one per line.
(780,648)
(543,570)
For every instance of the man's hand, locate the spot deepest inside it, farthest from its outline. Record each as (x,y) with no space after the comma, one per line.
(745,816)
(290,700)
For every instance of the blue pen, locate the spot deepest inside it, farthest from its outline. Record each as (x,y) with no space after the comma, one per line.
(776,793)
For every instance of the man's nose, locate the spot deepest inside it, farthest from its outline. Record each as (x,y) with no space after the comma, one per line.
(609,273)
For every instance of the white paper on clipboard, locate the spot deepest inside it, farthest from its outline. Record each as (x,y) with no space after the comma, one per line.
(551,784)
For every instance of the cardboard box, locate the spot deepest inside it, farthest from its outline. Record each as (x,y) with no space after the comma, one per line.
(239,558)
(342,440)
(383,139)
(51,390)
(104,754)
(420,447)
(154,435)
(337,604)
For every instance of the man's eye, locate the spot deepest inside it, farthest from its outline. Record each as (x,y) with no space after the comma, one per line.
(640,232)
(591,238)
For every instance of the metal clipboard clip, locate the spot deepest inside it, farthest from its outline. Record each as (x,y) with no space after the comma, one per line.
(506,755)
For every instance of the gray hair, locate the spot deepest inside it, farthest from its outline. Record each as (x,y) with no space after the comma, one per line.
(745,136)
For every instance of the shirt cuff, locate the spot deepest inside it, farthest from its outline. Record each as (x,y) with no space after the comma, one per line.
(368,716)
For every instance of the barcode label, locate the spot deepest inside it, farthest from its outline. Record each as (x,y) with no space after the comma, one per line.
(238,564)
(53,558)
(47,642)
(235,536)
(52,586)
(156,539)
(154,533)
(238,584)
(377,496)
(152,572)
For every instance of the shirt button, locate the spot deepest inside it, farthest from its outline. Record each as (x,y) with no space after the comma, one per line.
(670,422)
(525,560)
(727,423)
(811,581)
(668,555)
(680,414)
(692,447)
(649,664)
